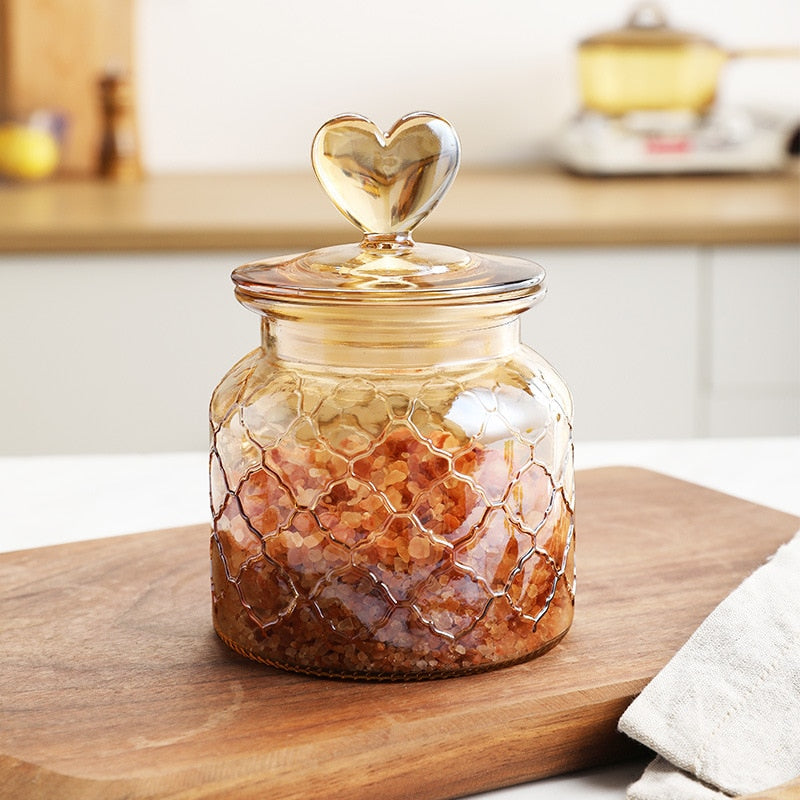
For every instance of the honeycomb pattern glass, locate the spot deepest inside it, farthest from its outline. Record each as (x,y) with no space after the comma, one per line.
(382,528)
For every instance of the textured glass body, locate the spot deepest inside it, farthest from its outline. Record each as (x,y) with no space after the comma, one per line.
(391,471)
(400,509)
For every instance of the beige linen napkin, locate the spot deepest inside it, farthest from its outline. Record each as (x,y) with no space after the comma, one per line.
(724,714)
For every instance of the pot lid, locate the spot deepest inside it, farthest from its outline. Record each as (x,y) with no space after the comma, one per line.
(386,184)
(647,26)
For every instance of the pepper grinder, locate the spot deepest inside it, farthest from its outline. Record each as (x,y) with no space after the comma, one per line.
(119,146)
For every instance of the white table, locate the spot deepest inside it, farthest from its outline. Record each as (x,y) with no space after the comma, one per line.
(48,500)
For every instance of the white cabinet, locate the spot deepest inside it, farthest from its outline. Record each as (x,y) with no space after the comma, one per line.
(120,352)
(115,353)
(621,326)
(675,342)
(751,384)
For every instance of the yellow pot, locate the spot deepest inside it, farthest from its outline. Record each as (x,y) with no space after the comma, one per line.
(650,66)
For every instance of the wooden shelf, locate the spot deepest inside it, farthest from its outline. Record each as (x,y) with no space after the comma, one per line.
(483,209)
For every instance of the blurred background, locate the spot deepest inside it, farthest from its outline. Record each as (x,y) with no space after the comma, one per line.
(243,87)
(148,147)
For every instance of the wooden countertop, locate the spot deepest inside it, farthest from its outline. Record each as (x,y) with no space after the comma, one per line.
(483,209)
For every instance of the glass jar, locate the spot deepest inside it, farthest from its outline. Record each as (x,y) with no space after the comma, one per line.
(391,470)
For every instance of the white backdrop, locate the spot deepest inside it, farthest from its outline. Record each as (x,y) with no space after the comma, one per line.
(245,84)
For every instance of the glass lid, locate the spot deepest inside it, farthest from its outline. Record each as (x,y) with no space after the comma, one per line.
(647,26)
(386,184)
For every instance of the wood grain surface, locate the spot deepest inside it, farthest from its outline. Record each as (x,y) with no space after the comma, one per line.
(286,212)
(114,686)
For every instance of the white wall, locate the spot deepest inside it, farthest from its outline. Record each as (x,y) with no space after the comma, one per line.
(245,84)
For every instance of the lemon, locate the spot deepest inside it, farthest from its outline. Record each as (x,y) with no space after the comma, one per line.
(27,153)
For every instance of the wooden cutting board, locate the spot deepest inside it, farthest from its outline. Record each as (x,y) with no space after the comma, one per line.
(113,684)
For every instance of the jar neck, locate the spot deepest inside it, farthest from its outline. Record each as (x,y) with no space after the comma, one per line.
(389,342)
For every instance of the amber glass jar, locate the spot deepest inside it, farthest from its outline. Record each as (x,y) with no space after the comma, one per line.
(391,470)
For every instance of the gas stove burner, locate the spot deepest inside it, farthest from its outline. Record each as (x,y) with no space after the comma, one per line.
(652,142)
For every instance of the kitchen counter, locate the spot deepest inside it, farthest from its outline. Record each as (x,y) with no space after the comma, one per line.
(107,495)
(110,495)
(497,209)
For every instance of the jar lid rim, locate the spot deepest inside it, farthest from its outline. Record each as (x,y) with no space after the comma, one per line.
(422,273)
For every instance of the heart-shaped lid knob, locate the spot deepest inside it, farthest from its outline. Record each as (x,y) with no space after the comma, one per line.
(386,183)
